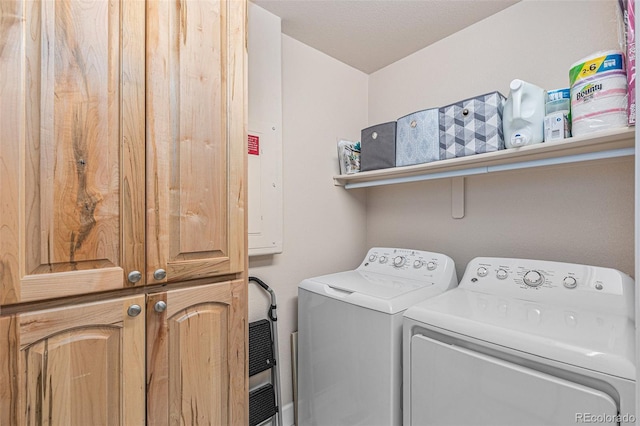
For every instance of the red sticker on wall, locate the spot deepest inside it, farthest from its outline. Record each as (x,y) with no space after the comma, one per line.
(254,145)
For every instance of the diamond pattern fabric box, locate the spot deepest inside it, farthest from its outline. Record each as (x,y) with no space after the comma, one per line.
(472,126)
(378,147)
(418,138)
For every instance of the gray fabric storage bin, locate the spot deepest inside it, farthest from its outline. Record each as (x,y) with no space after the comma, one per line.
(472,126)
(418,138)
(378,147)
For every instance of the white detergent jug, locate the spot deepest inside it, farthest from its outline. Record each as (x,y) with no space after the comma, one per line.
(523,115)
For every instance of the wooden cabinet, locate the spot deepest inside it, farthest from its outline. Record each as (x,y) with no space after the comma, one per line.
(195,355)
(72,147)
(195,138)
(122,168)
(122,150)
(81,365)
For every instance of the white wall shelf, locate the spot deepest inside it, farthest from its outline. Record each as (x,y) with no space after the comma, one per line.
(601,145)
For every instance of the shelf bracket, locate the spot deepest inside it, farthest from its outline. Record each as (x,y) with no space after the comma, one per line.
(457,197)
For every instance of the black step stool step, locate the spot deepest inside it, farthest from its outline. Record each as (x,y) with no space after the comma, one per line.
(262,404)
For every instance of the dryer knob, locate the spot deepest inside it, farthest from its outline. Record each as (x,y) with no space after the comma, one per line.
(502,274)
(533,279)
(482,271)
(418,264)
(372,258)
(432,265)
(398,261)
(383,259)
(570,282)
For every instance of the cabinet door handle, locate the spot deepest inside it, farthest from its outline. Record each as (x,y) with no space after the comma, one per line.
(134,276)
(160,306)
(160,274)
(134,310)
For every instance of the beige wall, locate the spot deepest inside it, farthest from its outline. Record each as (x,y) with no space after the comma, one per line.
(324,225)
(578,213)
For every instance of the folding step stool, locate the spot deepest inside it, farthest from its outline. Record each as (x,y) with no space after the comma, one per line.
(264,401)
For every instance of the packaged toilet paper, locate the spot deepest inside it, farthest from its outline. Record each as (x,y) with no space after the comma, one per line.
(598,93)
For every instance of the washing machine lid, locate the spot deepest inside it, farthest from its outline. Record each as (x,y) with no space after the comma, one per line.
(380,292)
(582,338)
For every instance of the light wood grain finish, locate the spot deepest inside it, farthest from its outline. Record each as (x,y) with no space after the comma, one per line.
(239,355)
(194,372)
(237,122)
(12,138)
(195,138)
(75,160)
(75,365)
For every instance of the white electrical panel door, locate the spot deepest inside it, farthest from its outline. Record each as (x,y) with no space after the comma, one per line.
(264,189)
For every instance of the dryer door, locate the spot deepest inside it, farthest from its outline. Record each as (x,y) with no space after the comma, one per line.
(451,385)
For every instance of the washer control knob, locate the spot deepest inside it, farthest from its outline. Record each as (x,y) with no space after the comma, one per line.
(372,257)
(502,274)
(482,271)
(418,264)
(570,282)
(432,265)
(533,278)
(383,259)
(398,261)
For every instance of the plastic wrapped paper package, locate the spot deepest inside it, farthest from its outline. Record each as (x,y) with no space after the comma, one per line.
(631,60)
(598,93)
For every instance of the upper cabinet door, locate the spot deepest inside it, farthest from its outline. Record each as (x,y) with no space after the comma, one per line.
(196,145)
(72,152)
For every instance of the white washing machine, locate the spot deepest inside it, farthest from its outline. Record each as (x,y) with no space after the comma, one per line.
(350,335)
(523,342)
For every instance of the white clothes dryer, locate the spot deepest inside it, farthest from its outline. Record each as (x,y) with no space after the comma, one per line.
(350,335)
(523,342)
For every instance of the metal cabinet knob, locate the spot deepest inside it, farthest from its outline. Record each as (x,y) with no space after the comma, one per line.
(160,274)
(134,276)
(134,310)
(160,306)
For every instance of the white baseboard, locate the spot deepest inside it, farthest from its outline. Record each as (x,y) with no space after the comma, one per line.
(287,415)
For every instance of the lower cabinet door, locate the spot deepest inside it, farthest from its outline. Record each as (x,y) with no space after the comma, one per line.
(196,355)
(78,365)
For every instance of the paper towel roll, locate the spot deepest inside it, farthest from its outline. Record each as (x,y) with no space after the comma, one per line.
(598,93)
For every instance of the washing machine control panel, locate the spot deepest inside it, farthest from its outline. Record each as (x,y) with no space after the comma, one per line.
(407,263)
(550,282)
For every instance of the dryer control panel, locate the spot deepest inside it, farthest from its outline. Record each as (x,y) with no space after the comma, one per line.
(407,263)
(551,282)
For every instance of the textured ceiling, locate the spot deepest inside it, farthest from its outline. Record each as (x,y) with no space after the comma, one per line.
(371,34)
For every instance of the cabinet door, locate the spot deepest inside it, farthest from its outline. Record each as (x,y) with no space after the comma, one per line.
(81,365)
(196,145)
(196,356)
(72,147)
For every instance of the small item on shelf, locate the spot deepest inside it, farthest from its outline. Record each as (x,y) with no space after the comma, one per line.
(556,126)
(472,126)
(418,138)
(523,116)
(557,121)
(598,93)
(558,100)
(378,147)
(349,156)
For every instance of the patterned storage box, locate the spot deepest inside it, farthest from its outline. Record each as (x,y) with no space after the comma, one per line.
(418,138)
(378,147)
(472,126)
